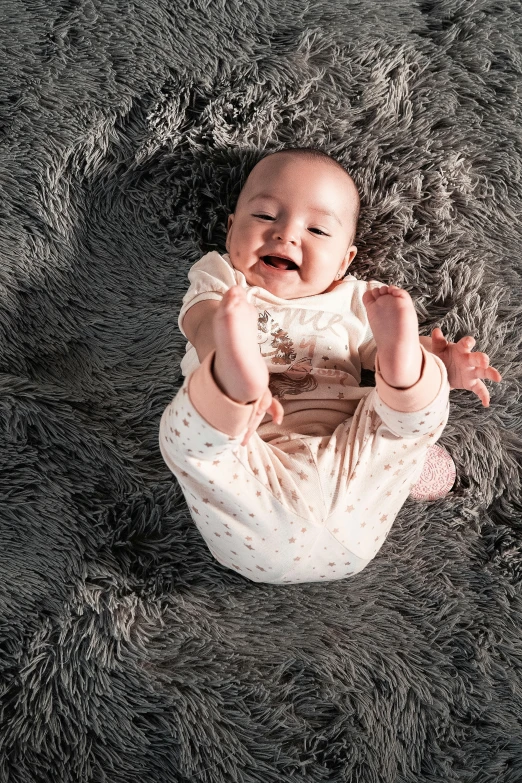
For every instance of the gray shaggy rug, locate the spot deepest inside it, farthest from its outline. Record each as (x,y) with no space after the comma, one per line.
(127,653)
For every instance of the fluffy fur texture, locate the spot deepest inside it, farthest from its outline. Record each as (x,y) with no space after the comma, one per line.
(126,652)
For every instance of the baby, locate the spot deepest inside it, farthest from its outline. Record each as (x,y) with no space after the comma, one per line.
(293,472)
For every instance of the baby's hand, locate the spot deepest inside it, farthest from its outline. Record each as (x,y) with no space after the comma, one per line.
(269,405)
(464,368)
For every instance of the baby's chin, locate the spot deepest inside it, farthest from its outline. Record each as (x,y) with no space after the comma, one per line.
(287,289)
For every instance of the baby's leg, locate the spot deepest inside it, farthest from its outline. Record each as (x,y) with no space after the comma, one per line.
(238,372)
(412,389)
(370,464)
(239,369)
(407,377)
(250,503)
(279,512)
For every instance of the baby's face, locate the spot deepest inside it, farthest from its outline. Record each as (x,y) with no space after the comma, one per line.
(279,213)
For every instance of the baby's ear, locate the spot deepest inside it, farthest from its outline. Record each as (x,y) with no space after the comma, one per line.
(350,255)
(229,225)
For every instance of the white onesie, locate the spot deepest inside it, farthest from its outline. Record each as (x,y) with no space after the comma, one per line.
(314,346)
(312,499)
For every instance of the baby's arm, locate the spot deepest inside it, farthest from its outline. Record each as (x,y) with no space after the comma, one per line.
(198,326)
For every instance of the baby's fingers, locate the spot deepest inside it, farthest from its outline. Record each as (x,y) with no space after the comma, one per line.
(481,391)
(276,410)
(465,344)
(481,362)
(256,421)
(493,374)
(490,373)
(267,405)
(478,359)
(438,337)
(479,388)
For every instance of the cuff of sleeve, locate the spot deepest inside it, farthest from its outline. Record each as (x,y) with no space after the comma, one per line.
(214,406)
(422,393)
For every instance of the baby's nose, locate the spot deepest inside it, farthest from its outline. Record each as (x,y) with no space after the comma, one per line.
(286,234)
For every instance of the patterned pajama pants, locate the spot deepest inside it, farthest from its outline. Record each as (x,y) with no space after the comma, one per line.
(300,508)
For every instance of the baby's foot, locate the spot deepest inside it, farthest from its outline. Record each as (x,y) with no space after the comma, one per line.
(239,369)
(394,324)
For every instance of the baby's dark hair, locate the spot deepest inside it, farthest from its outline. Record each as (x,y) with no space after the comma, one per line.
(313,153)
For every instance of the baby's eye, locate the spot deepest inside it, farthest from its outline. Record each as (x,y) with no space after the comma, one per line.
(268,217)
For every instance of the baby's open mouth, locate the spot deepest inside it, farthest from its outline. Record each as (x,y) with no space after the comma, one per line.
(278,263)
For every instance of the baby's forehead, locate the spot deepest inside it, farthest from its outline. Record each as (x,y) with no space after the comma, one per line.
(286,166)
(269,170)
(263,179)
